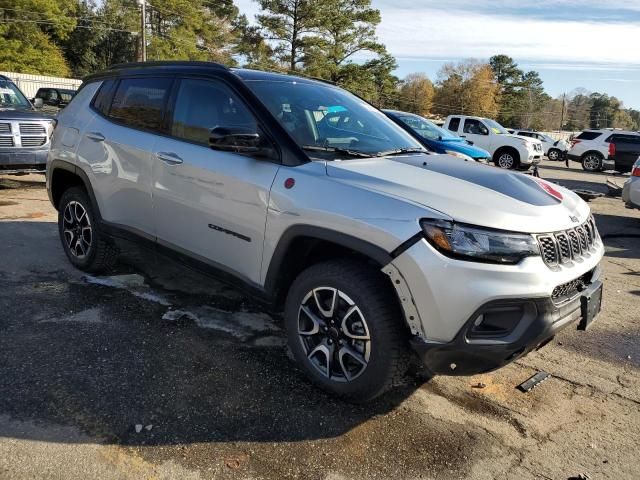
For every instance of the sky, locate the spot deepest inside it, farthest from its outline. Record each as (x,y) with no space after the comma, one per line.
(591,44)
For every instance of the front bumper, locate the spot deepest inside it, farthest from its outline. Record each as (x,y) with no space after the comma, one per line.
(631,200)
(23,160)
(537,322)
(448,294)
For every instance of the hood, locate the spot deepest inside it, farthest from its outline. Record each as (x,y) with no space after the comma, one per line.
(467,192)
(24,115)
(527,139)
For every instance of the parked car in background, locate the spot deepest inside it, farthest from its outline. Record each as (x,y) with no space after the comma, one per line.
(437,139)
(55,97)
(591,147)
(624,150)
(553,149)
(507,151)
(24,132)
(631,188)
(317,203)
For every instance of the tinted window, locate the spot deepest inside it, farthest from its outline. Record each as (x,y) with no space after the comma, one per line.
(474,127)
(454,124)
(525,134)
(588,135)
(623,138)
(140,102)
(202,105)
(102,100)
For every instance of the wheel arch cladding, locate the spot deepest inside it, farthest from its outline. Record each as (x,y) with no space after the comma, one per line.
(304,245)
(65,175)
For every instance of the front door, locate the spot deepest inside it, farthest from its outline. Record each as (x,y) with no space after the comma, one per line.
(477,132)
(211,204)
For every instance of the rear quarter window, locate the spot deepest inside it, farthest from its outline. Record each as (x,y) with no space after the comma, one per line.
(102,100)
(588,135)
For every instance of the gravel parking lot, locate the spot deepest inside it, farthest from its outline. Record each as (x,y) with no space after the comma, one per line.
(157,372)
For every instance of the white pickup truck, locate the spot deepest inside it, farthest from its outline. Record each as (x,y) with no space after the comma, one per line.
(507,151)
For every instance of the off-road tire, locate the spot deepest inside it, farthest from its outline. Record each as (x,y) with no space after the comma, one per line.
(102,253)
(371,291)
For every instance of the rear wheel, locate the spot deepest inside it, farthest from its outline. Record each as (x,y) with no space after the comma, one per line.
(592,162)
(86,246)
(342,321)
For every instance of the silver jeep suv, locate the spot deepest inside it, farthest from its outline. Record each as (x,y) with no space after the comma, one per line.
(314,201)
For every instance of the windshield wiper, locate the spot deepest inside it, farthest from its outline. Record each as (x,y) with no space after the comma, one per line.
(344,151)
(400,151)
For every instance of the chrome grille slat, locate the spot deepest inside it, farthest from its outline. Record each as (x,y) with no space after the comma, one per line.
(33,141)
(6,141)
(569,245)
(32,129)
(5,128)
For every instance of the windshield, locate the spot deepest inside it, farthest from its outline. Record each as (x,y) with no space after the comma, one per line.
(11,97)
(330,120)
(495,126)
(425,128)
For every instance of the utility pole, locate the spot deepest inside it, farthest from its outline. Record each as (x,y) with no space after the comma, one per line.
(562,114)
(142,55)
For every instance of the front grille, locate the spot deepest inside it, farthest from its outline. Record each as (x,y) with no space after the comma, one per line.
(33,141)
(6,141)
(569,245)
(538,147)
(568,291)
(32,129)
(5,128)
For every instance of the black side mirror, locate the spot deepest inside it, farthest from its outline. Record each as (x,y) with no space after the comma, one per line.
(240,139)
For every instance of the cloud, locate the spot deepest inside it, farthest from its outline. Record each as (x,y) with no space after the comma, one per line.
(428,33)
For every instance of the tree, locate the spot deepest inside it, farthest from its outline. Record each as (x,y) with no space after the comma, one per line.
(373,80)
(29,32)
(416,94)
(288,22)
(344,28)
(251,46)
(467,87)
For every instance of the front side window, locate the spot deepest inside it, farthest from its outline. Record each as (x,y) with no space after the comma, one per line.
(474,127)
(11,97)
(202,105)
(323,118)
(140,102)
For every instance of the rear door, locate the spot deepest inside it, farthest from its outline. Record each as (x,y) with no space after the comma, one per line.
(211,204)
(117,146)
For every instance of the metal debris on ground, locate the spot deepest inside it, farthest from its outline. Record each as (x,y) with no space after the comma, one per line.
(587,195)
(478,385)
(533,381)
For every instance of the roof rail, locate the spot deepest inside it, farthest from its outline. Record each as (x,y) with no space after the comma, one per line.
(167,63)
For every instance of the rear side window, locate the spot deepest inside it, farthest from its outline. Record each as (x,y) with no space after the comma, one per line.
(617,137)
(454,124)
(588,135)
(202,105)
(140,102)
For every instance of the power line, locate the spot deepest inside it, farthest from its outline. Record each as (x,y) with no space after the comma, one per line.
(41,22)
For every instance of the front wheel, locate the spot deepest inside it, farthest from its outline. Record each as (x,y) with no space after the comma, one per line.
(508,159)
(343,328)
(554,154)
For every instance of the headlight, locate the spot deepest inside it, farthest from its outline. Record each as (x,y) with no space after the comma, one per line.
(459,155)
(478,244)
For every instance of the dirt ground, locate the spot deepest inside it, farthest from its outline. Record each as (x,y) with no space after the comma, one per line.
(157,372)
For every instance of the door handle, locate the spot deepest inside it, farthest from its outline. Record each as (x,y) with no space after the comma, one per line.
(463,136)
(170,158)
(96,136)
